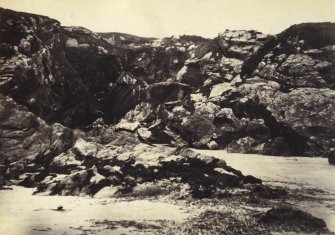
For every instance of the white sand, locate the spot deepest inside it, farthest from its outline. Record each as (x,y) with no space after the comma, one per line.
(20,212)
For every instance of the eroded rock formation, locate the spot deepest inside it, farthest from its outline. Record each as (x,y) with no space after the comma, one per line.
(242,91)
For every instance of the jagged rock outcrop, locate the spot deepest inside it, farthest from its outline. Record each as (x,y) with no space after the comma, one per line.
(301,62)
(300,56)
(62,74)
(310,113)
(259,120)
(243,90)
(24,135)
(89,167)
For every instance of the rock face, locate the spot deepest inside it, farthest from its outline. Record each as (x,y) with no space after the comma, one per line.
(62,74)
(254,93)
(25,136)
(301,56)
(301,62)
(242,91)
(310,113)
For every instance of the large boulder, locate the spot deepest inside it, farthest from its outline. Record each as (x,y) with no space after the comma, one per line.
(65,162)
(240,44)
(141,113)
(191,74)
(220,89)
(123,95)
(276,147)
(166,92)
(80,183)
(258,90)
(310,113)
(156,133)
(197,130)
(286,217)
(23,135)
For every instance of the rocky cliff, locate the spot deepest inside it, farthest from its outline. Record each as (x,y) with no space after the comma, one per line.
(243,91)
(62,74)
(252,93)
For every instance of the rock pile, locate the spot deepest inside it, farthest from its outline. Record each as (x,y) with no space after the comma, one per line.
(89,167)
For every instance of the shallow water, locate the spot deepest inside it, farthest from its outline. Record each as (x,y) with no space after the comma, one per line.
(313,175)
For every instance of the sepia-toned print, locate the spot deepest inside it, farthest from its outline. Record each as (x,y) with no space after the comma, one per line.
(167,117)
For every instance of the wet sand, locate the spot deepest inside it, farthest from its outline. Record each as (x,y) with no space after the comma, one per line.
(311,176)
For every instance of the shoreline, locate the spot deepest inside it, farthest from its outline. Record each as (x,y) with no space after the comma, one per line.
(144,214)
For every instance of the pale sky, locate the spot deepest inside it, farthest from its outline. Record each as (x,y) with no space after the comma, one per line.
(160,18)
